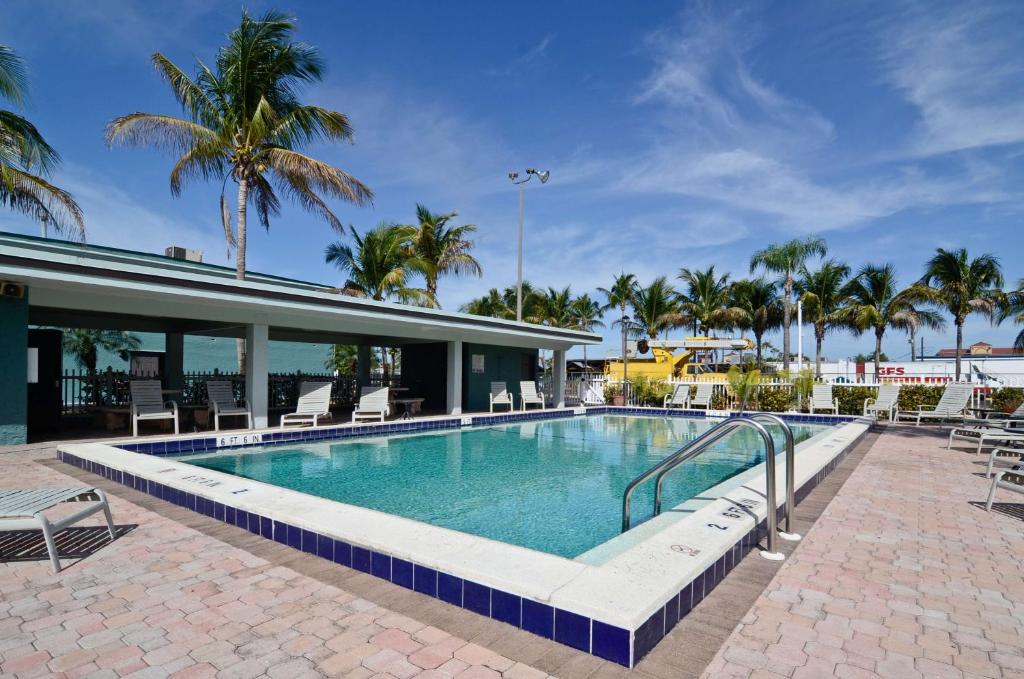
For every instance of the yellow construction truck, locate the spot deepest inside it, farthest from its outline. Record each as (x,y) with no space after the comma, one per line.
(691,364)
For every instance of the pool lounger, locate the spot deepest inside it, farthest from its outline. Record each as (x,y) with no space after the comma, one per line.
(985,436)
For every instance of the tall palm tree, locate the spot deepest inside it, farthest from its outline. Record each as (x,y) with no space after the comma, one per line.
(875,302)
(620,296)
(26,160)
(557,308)
(84,344)
(706,300)
(785,259)
(918,318)
(759,309)
(533,302)
(244,122)
(586,313)
(963,286)
(823,293)
(377,265)
(656,308)
(441,248)
(1013,306)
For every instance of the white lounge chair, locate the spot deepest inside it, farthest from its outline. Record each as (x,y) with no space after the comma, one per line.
(148,404)
(373,404)
(1004,456)
(528,395)
(985,436)
(679,398)
(951,405)
(822,399)
(22,509)
(221,402)
(314,404)
(885,402)
(1007,479)
(500,396)
(702,399)
(997,419)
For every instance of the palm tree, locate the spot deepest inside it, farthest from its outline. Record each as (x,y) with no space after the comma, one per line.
(785,259)
(244,122)
(706,300)
(917,318)
(342,358)
(875,302)
(1013,305)
(557,308)
(759,309)
(26,160)
(441,248)
(534,305)
(823,293)
(656,308)
(586,313)
(84,344)
(962,286)
(620,296)
(492,304)
(377,265)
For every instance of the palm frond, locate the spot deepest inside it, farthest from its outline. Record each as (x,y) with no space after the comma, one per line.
(13,77)
(160,131)
(33,196)
(299,169)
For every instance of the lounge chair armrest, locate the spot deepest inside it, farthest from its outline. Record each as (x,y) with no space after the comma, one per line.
(925,408)
(174,406)
(245,403)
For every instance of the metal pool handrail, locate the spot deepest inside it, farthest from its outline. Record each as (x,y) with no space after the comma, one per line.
(790,468)
(698,446)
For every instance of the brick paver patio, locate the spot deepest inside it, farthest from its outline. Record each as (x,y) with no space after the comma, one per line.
(903,576)
(900,577)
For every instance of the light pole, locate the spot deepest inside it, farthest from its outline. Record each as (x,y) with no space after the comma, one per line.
(625,355)
(543,176)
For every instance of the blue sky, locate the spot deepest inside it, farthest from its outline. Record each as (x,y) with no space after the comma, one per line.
(677,134)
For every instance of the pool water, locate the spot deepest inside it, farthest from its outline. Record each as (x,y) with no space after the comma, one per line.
(554,485)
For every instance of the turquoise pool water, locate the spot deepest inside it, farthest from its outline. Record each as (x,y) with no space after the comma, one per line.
(555,485)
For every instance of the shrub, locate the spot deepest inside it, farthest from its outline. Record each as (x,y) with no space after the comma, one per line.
(914,395)
(775,399)
(648,392)
(719,401)
(744,385)
(611,391)
(851,399)
(1007,399)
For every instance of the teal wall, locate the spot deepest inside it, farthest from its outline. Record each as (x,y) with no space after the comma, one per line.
(13,370)
(501,364)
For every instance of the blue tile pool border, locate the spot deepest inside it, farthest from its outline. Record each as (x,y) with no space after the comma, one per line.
(615,644)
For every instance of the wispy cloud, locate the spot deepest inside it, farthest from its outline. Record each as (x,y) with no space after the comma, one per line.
(961,68)
(526,60)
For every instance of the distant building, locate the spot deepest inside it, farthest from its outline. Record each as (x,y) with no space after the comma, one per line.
(983,349)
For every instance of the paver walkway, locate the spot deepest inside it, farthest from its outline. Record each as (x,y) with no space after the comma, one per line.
(903,576)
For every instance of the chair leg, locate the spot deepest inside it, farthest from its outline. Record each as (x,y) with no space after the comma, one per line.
(991,463)
(176,425)
(135,427)
(992,493)
(106,513)
(51,545)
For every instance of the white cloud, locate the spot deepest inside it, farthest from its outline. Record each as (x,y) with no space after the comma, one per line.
(525,60)
(961,69)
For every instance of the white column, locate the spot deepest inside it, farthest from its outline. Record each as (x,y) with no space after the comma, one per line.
(454,381)
(256,368)
(558,378)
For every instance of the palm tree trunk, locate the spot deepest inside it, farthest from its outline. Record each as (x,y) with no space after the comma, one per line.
(959,345)
(878,353)
(913,350)
(757,338)
(787,314)
(818,337)
(243,197)
(432,289)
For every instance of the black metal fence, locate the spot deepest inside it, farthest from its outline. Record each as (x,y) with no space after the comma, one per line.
(82,392)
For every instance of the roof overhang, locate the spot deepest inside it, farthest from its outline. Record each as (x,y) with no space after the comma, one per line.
(69,282)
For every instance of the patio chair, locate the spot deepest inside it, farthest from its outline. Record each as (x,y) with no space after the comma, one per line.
(499,396)
(702,399)
(222,403)
(985,436)
(314,404)
(1007,479)
(1004,456)
(22,509)
(148,404)
(373,404)
(528,395)
(822,399)
(679,398)
(951,405)
(997,419)
(885,402)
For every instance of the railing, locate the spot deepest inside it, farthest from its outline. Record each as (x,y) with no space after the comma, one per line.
(82,392)
(698,446)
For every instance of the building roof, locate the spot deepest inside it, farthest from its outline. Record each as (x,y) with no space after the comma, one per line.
(77,285)
(981,349)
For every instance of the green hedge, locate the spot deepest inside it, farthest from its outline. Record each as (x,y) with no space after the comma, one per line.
(1007,399)
(774,399)
(914,395)
(851,399)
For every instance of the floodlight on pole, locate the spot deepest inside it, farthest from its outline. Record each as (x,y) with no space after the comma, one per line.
(543,176)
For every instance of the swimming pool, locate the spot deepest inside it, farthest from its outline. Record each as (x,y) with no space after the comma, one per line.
(553,485)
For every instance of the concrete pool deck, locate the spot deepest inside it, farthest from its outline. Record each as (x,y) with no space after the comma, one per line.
(901,574)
